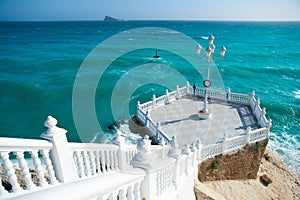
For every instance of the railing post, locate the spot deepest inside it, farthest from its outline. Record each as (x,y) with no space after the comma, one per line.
(253,94)
(187,87)
(257,104)
(142,158)
(147,118)
(60,154)
(269,124)
(262,114)
(199,147)
(224,142)
(173,151)
(228,91)
(153,101)
(157,131)
(167,97)
(138,104)
(120,141)
(177,92)
(247,136)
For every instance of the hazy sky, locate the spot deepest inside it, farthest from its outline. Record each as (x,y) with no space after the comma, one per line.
(260,10)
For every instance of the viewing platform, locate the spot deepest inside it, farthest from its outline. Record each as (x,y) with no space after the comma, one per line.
(180,119)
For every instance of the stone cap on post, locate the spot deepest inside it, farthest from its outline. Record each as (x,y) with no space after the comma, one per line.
(52,130)
(61,155)
(174,150)
(143,158)
(118,139)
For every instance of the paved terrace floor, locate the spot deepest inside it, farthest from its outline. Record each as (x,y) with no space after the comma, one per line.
(180,119)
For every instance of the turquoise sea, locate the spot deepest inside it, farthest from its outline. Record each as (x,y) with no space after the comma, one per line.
(39,62)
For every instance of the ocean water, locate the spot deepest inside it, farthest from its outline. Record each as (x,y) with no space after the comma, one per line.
(41,61)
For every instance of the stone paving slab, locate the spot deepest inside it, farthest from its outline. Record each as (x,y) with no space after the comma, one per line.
(180,119)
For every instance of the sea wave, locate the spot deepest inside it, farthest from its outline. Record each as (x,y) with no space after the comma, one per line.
(297,94)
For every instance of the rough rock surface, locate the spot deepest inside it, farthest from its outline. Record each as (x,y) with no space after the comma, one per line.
(239,165)
(285,183)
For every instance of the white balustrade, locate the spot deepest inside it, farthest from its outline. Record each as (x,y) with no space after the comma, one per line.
(90,158)
(18,147)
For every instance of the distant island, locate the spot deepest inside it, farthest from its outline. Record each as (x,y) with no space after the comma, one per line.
(111,19)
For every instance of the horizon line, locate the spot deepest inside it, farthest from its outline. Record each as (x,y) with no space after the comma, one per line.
(123,20)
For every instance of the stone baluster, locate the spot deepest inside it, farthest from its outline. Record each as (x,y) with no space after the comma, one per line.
(98,162)
(178,96)
(60,154)
(10,172)
(123,194)
(79,159)
(116,160)
(86,163)
(137,191)
(93,162)
(49,167)
(153,101)
(107,160)
(130,193)
(103,161)
(3,192)
(24,170)
(167,97)
(112,160)
(38,168)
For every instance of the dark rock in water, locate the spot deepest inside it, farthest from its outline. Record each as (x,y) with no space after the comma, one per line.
(113,126)
(111,19)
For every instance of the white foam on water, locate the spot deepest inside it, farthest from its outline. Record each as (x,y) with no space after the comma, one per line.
(288,147)
(297,94)
(131,138)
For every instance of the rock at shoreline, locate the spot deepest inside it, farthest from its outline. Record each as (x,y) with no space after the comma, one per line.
(112,19)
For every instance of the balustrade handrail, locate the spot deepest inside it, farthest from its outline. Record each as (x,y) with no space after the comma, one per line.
(91,146)
(19,144)
(109,187)
(223,146)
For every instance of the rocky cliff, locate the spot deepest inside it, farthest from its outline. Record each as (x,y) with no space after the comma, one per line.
(274,180)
